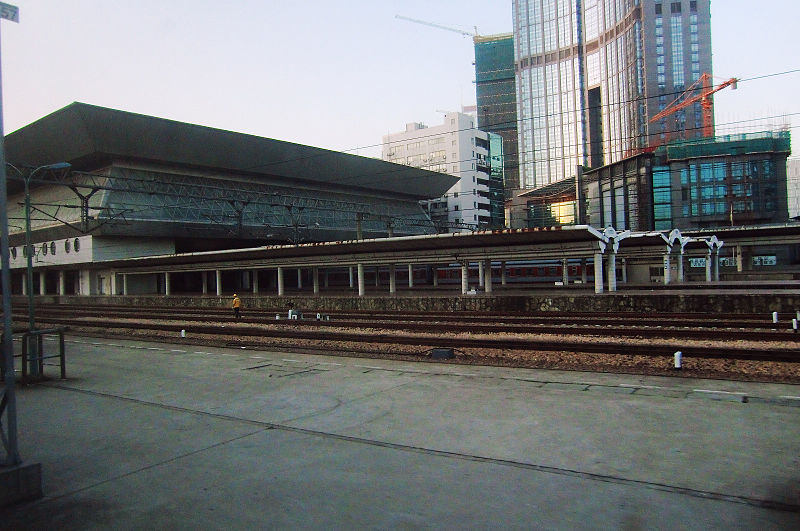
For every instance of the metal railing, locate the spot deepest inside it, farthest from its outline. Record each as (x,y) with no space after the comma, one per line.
(37,356)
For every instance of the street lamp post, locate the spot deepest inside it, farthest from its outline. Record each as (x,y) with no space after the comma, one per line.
(33,353)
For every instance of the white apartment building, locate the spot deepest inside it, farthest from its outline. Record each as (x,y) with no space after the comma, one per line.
(456,147)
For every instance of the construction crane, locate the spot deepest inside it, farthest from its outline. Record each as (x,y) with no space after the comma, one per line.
(704,97)
(431,24)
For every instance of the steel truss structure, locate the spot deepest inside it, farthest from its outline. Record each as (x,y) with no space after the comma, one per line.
(239,207)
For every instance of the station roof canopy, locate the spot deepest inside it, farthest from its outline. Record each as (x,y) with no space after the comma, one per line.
(91,137)
(788,233)
(576,241)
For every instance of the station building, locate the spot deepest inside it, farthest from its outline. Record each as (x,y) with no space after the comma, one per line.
(138,186)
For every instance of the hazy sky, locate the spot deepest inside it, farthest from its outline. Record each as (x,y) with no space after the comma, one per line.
(337,75)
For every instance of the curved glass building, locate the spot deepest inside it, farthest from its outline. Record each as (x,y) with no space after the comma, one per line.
(590,73)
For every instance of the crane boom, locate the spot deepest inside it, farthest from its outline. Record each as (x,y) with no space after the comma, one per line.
(704,97)
(433,25)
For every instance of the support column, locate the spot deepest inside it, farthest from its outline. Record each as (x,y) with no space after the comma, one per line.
(487,282)
(410,276)
(299,278)
(125,284)
(203,280)
(715,264)
(739,258)
(255,280)
(503,278)
(326,279)
(583,271)
(435,273)
(681,272)
(464,277)
(377,276)
(612,271)
(167,284)
(480,273)
(280,281)
(598,272)
(24,283)
(62,282)
(350,270)
(392,279)
(361,287)
(624,270)
(42,283)
(565,271)
(113,283)
(315,279)
(667,269)
(218,277)
(708,266)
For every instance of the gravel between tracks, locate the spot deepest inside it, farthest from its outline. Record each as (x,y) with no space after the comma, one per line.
(748,370)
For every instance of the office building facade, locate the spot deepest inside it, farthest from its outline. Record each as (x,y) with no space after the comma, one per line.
(591,73)
(457,148)
(726,181)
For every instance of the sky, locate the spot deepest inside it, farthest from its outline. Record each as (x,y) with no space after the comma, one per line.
(337,75)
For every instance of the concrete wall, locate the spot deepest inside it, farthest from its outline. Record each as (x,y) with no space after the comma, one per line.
(659,301)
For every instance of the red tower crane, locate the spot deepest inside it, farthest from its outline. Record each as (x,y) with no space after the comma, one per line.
(704,97)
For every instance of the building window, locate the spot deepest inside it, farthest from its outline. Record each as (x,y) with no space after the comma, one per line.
(676,31)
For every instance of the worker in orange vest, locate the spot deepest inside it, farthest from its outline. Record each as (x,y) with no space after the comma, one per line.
(237,305)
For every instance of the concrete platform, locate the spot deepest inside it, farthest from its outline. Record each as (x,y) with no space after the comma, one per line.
(168,436)
(20,483)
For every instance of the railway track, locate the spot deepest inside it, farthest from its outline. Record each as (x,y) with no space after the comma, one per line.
(683,326)
(730,321)
(607,335)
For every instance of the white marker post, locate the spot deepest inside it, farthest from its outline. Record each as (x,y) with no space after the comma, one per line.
(678,358)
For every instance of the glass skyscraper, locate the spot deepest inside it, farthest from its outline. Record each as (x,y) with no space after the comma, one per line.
(496,97)
(590,73)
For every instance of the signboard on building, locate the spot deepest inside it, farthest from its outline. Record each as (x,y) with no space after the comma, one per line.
(729,261)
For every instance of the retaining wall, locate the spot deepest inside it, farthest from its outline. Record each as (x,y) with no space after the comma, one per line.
(616,302)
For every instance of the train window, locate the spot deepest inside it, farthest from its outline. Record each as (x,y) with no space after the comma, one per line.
(14,253)
(67,246)
(53,248)
(44,249)
(76,245)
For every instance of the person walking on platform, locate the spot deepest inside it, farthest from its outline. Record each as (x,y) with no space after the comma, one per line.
(237,306)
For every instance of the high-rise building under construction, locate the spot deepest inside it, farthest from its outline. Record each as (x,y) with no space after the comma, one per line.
(590,75)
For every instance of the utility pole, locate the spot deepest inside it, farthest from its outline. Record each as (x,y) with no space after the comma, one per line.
(9,403)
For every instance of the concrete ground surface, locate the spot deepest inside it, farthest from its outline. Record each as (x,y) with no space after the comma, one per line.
(147,435)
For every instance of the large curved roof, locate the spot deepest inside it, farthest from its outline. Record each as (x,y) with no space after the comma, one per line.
(91,137)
